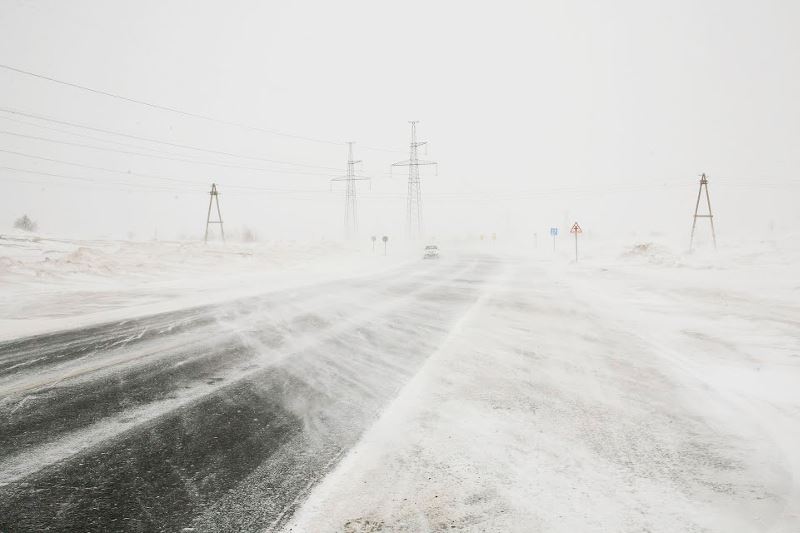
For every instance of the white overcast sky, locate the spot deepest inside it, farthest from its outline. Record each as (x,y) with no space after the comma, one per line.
(539,113)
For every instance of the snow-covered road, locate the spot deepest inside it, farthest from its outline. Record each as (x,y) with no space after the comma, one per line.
(592,398)
(478,393)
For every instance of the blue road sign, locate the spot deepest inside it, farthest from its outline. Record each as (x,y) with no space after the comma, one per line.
(554,232)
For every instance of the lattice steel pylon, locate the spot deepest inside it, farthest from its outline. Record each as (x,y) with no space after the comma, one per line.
(414,200)
(709,216)
(214,197)
(350,204)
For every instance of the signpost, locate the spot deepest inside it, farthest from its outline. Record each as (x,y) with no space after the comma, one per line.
(374,238)
(554,234)
(576,229)
(385,240)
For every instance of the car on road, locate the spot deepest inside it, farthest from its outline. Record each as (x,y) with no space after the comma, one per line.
(431,252)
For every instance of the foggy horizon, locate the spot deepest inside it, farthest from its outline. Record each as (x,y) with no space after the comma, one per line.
(537,113)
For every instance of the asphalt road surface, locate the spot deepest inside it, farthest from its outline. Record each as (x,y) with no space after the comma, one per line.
(217,418)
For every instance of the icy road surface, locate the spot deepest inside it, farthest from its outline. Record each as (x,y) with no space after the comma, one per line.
(475,393)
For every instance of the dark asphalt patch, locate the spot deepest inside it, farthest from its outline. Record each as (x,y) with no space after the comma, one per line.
(156,479)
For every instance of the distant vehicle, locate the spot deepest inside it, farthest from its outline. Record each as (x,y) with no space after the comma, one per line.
(431,252)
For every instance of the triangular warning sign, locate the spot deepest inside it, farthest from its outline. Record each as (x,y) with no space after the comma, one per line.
(576,228)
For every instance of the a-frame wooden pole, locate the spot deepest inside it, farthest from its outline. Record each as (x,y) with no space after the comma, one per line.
(710,216)
(214,196)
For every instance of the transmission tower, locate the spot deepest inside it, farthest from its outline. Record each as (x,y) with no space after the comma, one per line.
(214,198)
(414,200)
(350,211)
(709,216)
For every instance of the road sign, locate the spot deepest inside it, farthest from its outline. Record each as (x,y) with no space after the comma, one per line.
(385,239)
(554,234)
(374,238)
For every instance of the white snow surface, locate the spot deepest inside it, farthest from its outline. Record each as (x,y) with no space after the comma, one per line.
(640,389)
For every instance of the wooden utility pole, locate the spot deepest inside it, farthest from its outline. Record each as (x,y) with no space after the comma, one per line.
(709,216)
(214,198)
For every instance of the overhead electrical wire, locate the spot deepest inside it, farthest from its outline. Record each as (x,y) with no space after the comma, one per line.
(159,141)
(171,156)
(91,180)
(199,187)
(178,111)
(151,176)
(156,156)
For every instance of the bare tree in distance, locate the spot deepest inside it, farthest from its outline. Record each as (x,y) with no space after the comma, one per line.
(25,223)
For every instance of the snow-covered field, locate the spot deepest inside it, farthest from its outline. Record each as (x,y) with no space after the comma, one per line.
(50,283)
(641,389)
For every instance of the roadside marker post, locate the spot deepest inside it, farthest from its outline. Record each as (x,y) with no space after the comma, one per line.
(554,234)
(385,240)
(576,229)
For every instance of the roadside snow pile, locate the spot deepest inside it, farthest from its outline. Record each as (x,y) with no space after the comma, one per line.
(653,253)
(86,260)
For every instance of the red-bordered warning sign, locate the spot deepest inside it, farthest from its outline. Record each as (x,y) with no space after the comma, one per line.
(576,228)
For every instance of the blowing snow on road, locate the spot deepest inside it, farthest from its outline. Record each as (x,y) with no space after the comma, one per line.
(483,391)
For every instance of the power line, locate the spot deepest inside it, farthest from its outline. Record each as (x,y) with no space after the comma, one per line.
(180,111)
(81,135)
(159,141)
(91,180)
(92,167)
(143,175)
(179,159)
(165,108)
